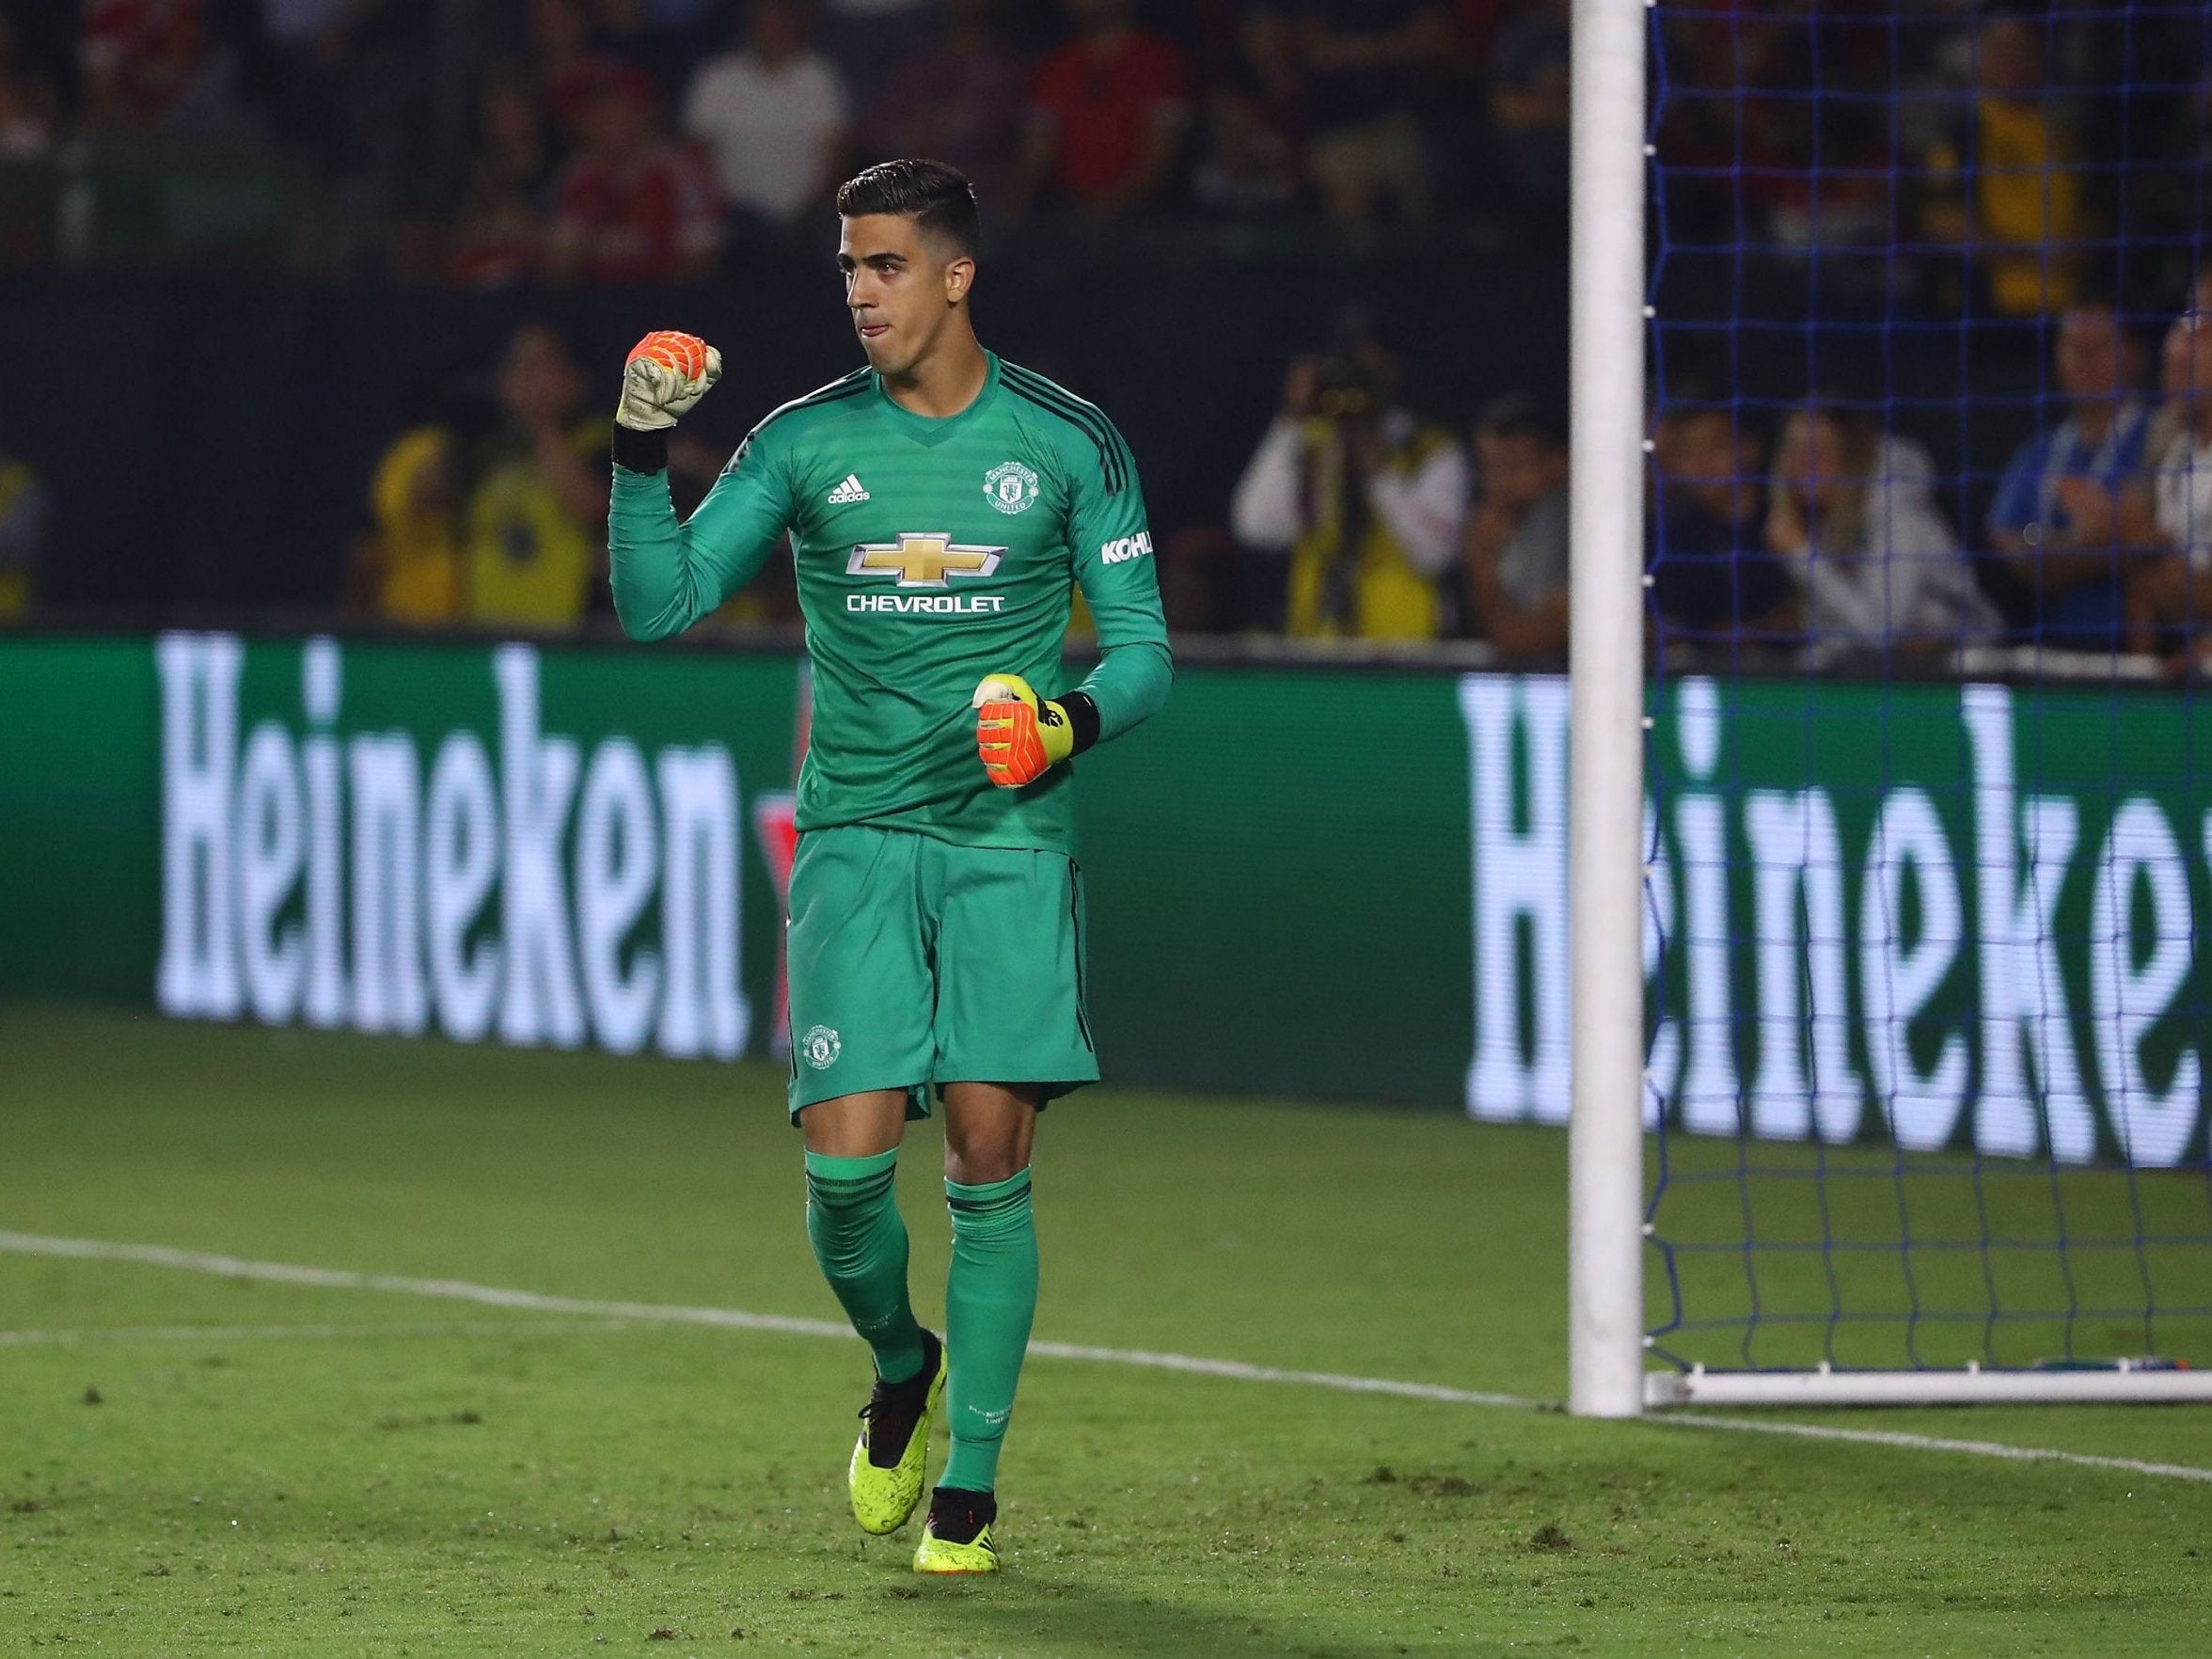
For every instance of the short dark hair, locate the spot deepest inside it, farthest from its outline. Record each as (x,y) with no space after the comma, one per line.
(937,198)
(1516,416)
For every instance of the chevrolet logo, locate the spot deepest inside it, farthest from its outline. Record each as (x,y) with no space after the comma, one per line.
(923,559)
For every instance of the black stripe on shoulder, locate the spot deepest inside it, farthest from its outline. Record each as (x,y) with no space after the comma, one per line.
(1114,461)
(1089,416)
(1109,464)
(850,385)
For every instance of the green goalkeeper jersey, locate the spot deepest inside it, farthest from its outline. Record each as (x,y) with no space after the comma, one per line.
(930,553)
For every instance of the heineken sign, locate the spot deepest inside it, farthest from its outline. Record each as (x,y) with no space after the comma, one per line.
(1950,916)
(500,880)
(1947,915)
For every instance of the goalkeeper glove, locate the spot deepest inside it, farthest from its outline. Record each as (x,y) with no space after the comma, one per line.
(665,374)
(1020,735)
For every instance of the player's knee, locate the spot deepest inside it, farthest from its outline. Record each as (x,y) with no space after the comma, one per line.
(985,1155)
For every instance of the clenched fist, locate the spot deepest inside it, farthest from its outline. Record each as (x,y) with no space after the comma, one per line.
(665,374)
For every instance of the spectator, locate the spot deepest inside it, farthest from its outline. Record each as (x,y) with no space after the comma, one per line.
(2005,178)
(2057,516)
(773,115)
(570,64)
(1878,567)
(29,111)
(1364,56)
(958,97)
(498,233)
(1528,99)
(1106,116)
(866,37)
(1364,498)
(139,58)
(407,569)
(2172,413)
(23,537)
(536,519)
(1513,552)
(1257,117)
(666,37)
(2177,591)
(632,208)
(1713,582)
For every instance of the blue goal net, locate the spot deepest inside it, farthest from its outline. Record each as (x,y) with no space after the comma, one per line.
(1929,830)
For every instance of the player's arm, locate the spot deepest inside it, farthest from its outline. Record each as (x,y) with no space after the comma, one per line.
(1020,734)
(668,573)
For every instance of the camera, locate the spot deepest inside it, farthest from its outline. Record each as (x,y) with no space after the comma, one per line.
(1344,389)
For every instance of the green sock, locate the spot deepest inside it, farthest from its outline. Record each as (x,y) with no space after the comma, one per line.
(861,1239)
(990,1297)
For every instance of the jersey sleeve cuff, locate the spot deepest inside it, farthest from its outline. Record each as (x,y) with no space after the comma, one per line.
(1082,719)
(640,451)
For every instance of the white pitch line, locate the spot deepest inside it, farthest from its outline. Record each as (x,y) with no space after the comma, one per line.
(78,1335)
(1980,1448)
(233,1267)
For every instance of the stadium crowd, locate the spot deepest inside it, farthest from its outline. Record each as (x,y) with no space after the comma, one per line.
(630,140)
(492,141)
(1815,533)
(1969,167)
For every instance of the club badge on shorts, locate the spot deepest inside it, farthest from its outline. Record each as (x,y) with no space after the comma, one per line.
(1010,487)
(821,1046)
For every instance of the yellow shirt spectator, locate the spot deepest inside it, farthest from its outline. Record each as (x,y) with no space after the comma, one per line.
(22,528)
(531,560)
(1370,519)
(416,552)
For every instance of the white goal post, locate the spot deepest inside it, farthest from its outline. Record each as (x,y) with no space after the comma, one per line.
(1607,1374)
(1605,751)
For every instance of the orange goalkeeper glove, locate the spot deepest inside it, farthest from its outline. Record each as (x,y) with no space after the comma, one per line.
(665,374)
(1020,735)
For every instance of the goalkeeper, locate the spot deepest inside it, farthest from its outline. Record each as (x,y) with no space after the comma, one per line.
(942,504)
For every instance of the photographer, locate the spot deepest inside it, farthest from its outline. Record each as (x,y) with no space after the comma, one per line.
(1366,499)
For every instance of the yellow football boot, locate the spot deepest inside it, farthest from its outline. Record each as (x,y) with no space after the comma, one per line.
(891,1455)
(957,1538)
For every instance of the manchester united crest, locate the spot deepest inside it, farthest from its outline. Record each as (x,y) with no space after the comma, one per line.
(1010,486)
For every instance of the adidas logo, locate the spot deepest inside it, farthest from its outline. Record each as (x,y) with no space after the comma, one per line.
(850,490)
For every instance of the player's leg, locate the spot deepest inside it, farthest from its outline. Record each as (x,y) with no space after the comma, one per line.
(860,1001)
(1009,980)
(991,1290)
(990,1301)
(853,1221)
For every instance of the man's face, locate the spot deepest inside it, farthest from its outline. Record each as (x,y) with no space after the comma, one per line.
(618,124)
(2008,58)
(1518,470)
(1702,454)
(1810,457)
(2186,369)
(777,28)
(538,380)
(2092,355)
(899,288)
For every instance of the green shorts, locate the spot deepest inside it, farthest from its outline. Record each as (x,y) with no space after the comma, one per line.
(915,962)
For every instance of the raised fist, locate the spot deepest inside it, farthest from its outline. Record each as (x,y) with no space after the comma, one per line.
(665,374)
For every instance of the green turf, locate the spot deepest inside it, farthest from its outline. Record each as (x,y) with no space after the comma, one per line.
(364,1478)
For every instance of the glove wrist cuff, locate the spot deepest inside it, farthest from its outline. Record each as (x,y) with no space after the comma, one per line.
(1082,720)
(640,451)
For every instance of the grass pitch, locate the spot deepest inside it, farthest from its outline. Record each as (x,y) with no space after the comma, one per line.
(197,1464)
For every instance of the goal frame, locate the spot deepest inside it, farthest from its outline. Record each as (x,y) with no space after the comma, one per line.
(1609,309)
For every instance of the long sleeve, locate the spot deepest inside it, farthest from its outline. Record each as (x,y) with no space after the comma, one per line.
(1265,512)
(668,573)
(1120,580)
(1425,508)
